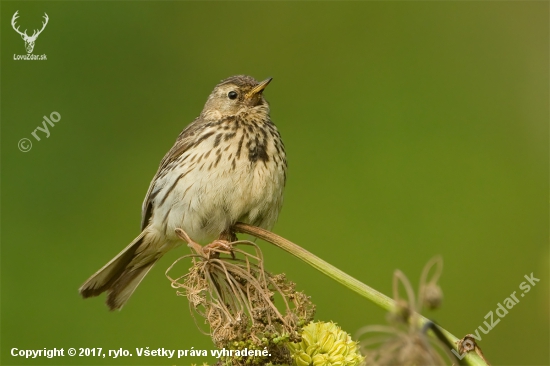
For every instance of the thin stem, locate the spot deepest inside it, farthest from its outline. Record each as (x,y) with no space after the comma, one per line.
(353,284)
(331,271)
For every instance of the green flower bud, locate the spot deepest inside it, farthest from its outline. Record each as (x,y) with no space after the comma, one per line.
(302,359)
(325,344)
(320,360)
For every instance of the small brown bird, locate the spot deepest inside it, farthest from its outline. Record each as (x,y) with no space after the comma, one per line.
(228,165)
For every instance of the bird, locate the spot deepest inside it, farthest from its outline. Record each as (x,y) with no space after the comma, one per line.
(227,166)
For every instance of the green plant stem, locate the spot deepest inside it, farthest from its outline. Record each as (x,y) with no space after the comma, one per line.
(368,292)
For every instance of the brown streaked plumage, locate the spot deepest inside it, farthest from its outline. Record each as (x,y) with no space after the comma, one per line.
(228,165)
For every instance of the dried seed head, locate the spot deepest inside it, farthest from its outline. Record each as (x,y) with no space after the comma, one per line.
(401,313)
(432,296)
(235,295)
(403,342)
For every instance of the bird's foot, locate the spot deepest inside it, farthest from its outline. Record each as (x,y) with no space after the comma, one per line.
(221,245)
(216,247)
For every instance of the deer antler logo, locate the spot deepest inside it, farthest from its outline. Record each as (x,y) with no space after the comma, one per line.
(29,40)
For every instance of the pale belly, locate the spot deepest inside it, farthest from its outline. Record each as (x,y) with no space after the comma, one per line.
(206,202)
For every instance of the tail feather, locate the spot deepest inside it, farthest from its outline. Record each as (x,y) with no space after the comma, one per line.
(125,285)
(121,275)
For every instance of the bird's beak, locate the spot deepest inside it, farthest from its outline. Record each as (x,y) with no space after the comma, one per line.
(258,89)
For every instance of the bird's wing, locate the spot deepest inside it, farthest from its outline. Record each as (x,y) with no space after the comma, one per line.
(183,142)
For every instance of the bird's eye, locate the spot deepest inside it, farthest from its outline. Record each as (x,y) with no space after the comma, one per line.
(232,94)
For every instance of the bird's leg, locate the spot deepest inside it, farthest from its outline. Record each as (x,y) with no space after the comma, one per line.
(228,235)
(190,243)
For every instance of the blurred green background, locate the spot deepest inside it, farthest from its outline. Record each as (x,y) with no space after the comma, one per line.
(412,129)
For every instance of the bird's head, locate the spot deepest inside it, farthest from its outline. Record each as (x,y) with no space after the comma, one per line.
(236,94)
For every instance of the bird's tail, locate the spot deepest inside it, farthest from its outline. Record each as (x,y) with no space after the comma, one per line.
(123,273)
